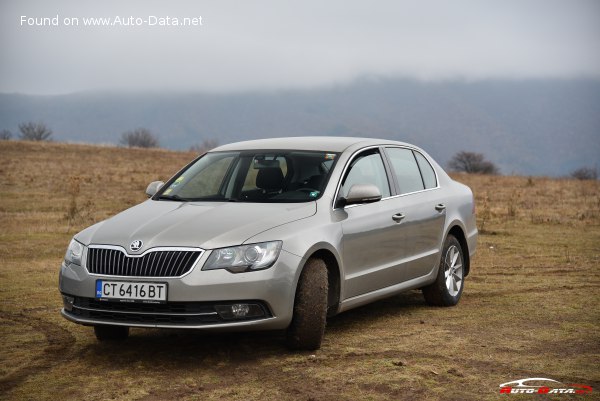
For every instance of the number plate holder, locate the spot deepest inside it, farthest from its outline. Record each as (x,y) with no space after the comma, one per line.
(131,291)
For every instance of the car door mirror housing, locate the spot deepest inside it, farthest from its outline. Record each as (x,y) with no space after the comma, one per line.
(362,193)
(153,188)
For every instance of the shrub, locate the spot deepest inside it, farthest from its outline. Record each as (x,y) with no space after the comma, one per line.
(205,146)
(139,138)
(585,173)
(471,162)
(35,132)
(5,135)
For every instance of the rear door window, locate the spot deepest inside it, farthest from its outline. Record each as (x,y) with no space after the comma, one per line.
(406,170)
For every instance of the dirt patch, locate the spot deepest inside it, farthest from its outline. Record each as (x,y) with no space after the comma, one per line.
(58,343)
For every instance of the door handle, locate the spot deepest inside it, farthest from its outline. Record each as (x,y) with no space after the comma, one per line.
(440,207)
(398,217)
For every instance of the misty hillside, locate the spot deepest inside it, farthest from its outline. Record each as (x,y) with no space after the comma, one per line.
(538,127)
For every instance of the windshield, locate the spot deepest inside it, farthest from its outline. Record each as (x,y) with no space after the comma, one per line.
(252,176)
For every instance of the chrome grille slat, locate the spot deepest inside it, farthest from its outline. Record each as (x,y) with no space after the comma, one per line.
(135,266)
(101,260)
(167,266)
(121,264)
(157,265)
(132,265)
(161,266)
(165,262)
(187,259)
(114,259)
(104,265)
(151,261)
(176,265)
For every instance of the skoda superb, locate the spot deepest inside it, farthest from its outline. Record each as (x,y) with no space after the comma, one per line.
(274,234)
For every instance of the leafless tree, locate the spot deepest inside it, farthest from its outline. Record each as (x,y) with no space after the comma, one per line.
(35,132)
(585,173)
(204,146)
(471,162)
(5,135)
(139,138)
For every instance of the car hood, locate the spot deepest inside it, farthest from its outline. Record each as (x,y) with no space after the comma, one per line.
(206,225)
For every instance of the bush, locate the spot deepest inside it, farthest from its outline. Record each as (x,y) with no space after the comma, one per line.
(471,162)
(205,146)
(35,132)
(5,135)
(139,138)
(585,173)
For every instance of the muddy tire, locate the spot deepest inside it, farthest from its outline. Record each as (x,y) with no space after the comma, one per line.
(310,308)
(111,333)
(448,287)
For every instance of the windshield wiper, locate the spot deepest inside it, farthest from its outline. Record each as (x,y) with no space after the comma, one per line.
(173,198)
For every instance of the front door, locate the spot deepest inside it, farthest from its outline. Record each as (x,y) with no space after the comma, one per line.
(370,243)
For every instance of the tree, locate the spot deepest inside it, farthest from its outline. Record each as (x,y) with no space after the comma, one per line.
(585,173)
(139,138)
(471,162)
(35,132)
(205,146)
(5,135)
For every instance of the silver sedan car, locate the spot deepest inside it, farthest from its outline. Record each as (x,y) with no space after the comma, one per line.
(274,234)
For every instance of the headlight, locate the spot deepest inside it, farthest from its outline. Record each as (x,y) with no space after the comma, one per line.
(74,252)
(243,258)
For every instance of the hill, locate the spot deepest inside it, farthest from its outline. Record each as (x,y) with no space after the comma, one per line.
(543,127)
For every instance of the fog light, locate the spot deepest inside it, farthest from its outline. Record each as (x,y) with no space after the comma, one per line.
(68,302)
(239,311)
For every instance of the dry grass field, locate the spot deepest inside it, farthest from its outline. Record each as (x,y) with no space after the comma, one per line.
(531,306)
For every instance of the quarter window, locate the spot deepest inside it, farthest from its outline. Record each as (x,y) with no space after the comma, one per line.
(426,171)
(405,167)
(367,168)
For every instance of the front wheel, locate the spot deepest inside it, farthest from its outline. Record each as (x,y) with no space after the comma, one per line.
(111,333)
(310,308)
(449,284)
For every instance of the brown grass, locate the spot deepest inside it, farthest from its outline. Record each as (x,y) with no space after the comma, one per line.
(531,306)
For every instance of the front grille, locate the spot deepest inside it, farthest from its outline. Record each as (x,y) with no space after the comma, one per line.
(177,313)
(165,263)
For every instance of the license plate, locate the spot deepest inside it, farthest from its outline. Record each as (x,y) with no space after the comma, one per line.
(131,291)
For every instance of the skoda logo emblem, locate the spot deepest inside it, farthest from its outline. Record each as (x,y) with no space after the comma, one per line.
(136,245)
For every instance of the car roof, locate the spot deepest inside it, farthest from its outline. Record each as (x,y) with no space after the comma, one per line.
(314,143)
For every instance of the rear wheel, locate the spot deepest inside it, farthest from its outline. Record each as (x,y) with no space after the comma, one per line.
(111,333)
(310,308)
(448,287)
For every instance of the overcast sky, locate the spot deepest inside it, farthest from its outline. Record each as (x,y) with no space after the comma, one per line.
(271,44)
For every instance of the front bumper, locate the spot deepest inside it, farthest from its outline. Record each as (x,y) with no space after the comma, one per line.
(191,298)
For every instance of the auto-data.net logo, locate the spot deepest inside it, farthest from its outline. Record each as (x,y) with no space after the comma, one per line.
(539,385)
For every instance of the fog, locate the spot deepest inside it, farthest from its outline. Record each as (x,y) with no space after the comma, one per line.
(269,44)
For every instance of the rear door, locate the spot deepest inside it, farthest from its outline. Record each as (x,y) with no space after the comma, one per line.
(421,203)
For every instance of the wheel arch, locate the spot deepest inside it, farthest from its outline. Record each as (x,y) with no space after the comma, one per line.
(327,253)
(458,232)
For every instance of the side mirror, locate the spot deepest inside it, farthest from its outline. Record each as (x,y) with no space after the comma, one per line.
(361,193)
(153,188)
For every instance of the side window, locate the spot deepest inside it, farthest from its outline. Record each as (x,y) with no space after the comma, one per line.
(366,168)
(426,171)
(405,167)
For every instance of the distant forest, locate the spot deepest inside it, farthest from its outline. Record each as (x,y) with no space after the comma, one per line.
(529,127)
